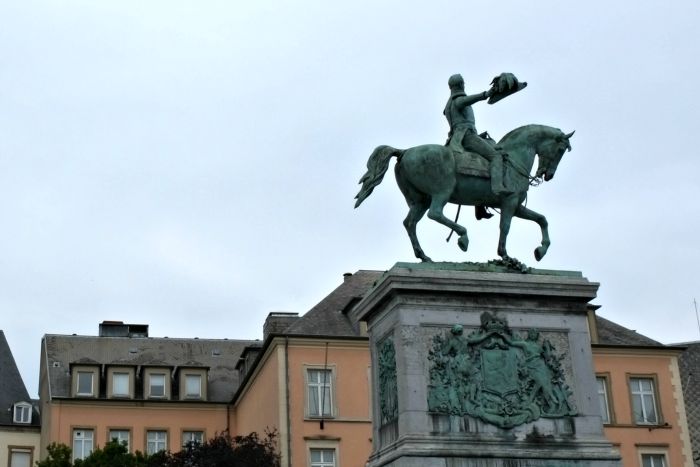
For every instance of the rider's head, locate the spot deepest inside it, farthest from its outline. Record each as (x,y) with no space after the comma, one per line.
(456,82)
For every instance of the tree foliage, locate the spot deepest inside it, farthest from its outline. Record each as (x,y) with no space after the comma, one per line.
(221,451)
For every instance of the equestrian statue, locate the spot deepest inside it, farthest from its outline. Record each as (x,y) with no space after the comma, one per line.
(472,169)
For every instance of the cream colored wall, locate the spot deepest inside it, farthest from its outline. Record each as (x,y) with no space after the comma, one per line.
(620,363)
(137,417)
(259,407)
(24,438)
(352,425)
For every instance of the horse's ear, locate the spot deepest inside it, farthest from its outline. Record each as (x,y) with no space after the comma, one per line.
(570,134)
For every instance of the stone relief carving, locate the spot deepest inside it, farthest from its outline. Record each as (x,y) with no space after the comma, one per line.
(497,376)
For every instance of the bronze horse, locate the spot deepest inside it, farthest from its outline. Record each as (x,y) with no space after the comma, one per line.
(428,178)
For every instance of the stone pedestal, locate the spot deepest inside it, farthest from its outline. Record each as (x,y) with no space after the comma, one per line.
(477,394)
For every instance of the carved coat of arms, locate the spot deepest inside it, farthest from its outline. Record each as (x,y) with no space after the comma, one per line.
(499,377)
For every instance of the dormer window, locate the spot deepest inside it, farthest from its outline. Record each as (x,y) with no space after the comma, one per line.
(22,413)
(86,381)
(193,386)
(156,383)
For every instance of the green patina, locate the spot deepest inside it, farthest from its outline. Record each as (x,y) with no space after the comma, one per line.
(491,266)
(472,169)
(388,394)
(496,376)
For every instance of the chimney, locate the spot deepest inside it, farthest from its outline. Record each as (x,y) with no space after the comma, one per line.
(119,329)
(277,322)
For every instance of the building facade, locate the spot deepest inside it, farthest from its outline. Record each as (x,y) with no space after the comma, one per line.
(689,365)
(151,393)
(640,396)
(311,382)
(19,416)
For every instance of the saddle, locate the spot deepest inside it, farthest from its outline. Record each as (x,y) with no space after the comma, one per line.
(471,163)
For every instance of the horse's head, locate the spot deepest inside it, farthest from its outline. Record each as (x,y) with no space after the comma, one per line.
(550,153)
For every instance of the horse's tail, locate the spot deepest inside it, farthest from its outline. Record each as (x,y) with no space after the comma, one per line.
(377,164)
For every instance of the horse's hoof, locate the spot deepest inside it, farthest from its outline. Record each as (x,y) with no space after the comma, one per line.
(463,243)
(540,252)
(426,259)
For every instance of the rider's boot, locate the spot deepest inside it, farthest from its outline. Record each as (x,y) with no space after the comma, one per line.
(496,169)
(481,213)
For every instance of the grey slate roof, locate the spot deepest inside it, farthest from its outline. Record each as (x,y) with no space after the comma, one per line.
(328,317)
(610,333)
(12,388)
(689,365)
(219,355)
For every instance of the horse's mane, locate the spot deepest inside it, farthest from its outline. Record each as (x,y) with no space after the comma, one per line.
(530,129)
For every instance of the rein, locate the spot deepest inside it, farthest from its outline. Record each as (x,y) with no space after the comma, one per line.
(532,181)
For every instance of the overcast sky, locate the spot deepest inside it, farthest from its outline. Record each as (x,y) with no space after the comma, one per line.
(192,165)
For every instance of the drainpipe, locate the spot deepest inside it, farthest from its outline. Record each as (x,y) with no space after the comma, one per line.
(286,388)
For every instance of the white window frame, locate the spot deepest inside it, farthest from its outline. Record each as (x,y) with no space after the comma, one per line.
(150,385)
(317,385)
(120,438)
(24,409)
(156,440)
(78,373)
(604,398)
(654,463)
(636,391)
(196,436)
(87,443)
(193,395)
(20,450)
(114,384)
(324,461)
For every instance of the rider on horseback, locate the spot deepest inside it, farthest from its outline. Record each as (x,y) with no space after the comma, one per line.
(463,135)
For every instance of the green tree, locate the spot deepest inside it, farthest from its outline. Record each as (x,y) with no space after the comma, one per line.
(226,451)
(59,456)
(113,454)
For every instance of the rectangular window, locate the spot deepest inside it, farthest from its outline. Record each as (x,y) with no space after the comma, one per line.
(156,385)
(643,401)
(82,443)
(20,458)
(120,384)
(194,437)
(319,392)
(193,386)
(84,384)
(23,413)
(653,460)
(602,383)
(156,441)
(322,457)
(121,436)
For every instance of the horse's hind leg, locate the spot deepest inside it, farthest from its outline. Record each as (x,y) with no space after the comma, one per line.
(435,213)
(415,213)
(525,213)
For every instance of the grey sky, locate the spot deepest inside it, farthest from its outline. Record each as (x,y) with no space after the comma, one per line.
(192,165)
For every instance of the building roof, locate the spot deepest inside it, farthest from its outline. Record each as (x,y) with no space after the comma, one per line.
(610,333)
(12,388)
(219,355)
(689,365)
(329,316)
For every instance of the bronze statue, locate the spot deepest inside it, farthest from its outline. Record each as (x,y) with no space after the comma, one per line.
(432,175)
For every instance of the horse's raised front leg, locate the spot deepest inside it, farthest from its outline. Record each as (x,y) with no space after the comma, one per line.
(529,214)
(435,213)
(508,208)
(415,214)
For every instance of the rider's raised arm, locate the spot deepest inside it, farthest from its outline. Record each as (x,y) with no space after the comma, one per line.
(464,101)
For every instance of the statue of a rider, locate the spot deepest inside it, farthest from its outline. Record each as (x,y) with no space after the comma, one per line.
(463,135)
